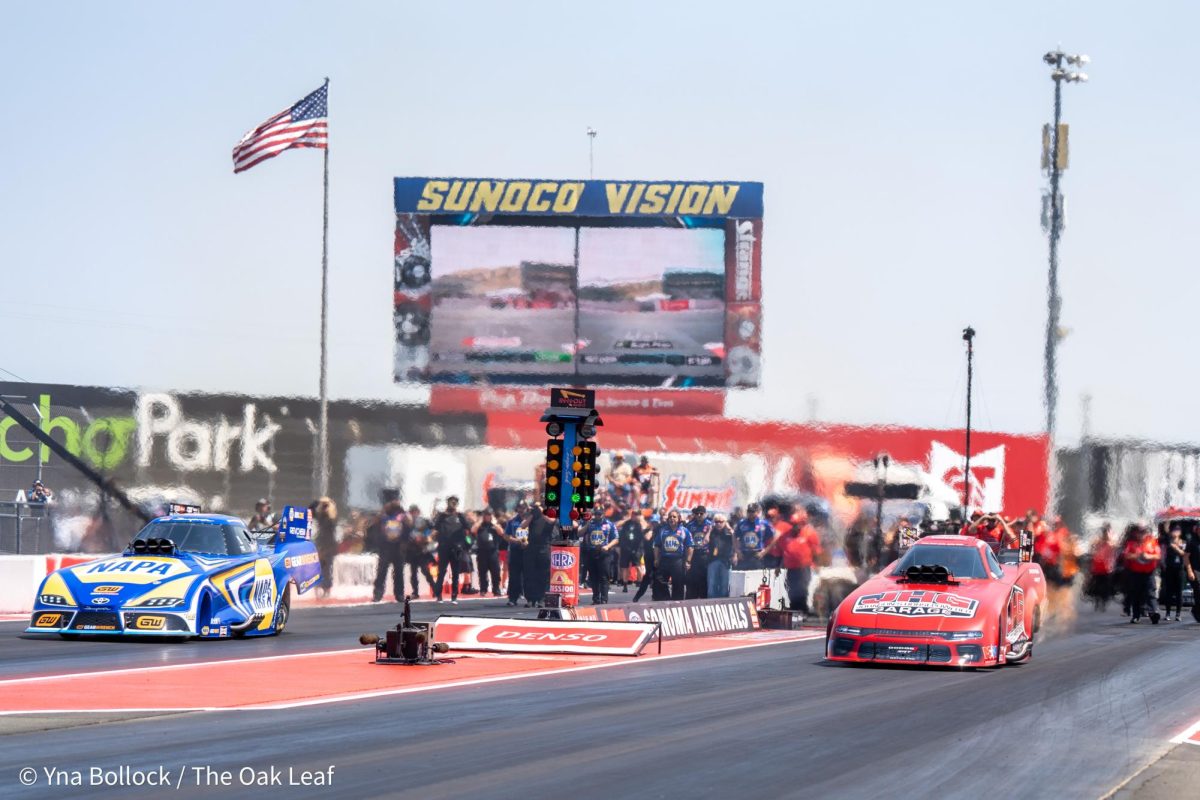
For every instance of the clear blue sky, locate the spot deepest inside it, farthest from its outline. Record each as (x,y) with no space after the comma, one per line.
(898,142)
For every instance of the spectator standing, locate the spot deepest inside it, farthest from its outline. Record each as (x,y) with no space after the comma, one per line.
(450,531)
(696,580)
(1142,556)
(600,538)
(487,553)
(1047,552)
(645,476)
(537,557)
(1100,569)
(325,519)
(630,549)
(753,534)
(673,554)
(418,550)
(261,520)
(649,565)
(40,493)
(797,547)
(1124,577)
(722,557)
(386,538)
(1191,567)
(516,533)
(620,480)
(1174,558)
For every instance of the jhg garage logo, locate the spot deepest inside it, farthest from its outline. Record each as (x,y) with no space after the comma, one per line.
(916,603)
(561,559)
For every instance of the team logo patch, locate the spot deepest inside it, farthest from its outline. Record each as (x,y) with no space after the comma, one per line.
(916,603)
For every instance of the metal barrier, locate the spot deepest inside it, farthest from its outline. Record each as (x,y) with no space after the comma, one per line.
(25,528)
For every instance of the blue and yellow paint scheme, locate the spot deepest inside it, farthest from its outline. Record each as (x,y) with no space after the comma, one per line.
(163,587)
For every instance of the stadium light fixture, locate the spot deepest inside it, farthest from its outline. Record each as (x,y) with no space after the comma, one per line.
(1054,163)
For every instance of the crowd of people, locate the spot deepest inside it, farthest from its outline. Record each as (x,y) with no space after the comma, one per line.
(1148,568)
(675,554)
(665,552)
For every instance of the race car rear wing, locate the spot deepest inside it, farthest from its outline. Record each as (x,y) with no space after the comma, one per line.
(294,541)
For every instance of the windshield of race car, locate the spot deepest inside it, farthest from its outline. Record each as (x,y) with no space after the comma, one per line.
(201,536)
(959,561)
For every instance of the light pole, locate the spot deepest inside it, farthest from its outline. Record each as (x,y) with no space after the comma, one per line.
(591,132)
(968,336)
(1063,67)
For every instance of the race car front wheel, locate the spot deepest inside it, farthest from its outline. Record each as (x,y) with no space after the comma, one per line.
(285,609)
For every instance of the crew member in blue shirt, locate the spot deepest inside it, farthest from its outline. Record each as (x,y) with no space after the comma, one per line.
(673,553)
(600,538)
(516,533)
(696,579)
(752,534)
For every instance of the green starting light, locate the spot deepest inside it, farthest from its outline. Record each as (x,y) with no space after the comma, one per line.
(587,499)
(575,498)
(551,496)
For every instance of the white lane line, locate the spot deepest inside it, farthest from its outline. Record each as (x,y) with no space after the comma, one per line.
(183,665)
(328,700)
(1186,736)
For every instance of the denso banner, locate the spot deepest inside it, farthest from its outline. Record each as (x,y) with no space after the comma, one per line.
(544,636)
(681,619)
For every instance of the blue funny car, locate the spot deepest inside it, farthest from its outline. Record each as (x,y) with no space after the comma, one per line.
(185,575)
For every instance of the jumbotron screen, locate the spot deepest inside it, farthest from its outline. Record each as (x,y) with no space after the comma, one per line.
(635,283)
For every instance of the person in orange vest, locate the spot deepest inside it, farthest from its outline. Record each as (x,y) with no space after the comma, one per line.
(1100,569)
(797,547)
(1141,559)
(1047,551)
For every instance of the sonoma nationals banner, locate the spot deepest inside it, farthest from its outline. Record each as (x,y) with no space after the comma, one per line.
(682,619)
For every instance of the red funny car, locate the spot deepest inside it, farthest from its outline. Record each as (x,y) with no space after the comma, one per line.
(947,601)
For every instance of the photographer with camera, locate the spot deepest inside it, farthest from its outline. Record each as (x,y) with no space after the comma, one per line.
(487,553)
(992,529)
(450,529)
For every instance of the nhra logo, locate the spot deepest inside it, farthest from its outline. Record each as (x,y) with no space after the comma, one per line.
(562,559)
(918,603)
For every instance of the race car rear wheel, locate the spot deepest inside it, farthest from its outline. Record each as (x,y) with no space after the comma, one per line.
(285,609)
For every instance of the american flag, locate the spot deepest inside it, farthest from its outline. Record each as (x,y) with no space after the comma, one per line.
(305,124)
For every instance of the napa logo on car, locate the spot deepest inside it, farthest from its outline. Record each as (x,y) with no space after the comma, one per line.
(129,569)
(916,603)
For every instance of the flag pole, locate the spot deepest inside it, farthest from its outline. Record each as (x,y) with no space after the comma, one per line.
(323,427)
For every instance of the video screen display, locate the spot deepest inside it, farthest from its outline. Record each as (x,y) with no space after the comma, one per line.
(535,282)
(503,301)
(652,303)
